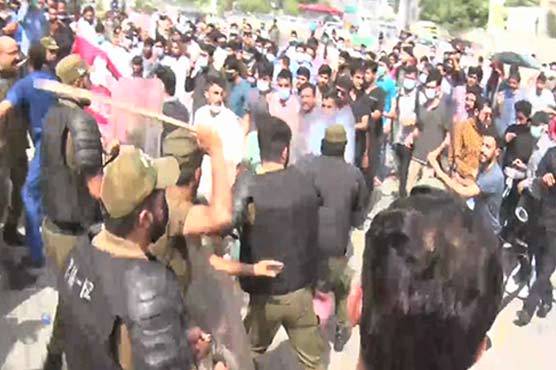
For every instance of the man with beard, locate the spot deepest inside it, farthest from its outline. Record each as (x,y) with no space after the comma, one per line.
(324,81)
(309,116)
(505,101)
(239,87)
(196,82)
(467,140)
(116,299)
(227,125)
(71,162)
(485,194)
(61,33)
(13,143)
(276,212)
(24,94)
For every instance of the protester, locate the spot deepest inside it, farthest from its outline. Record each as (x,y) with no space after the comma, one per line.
(428,229)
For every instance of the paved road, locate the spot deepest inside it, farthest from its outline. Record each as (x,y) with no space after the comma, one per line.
(25,329)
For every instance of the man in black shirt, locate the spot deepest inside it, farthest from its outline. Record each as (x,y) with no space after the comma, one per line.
(344,194)
(276,212)
(377,96)
(361,108)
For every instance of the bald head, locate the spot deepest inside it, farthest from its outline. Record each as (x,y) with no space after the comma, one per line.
(9,54)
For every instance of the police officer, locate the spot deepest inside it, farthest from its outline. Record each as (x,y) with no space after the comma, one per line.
(276,212)
(210,303)
(71,160)
(344,195)
(116,298)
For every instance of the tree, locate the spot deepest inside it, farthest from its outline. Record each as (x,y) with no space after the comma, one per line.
(510,3)
(254,6)
(455,14)
(291,7)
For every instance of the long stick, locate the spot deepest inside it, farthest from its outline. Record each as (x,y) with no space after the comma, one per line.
(74,92)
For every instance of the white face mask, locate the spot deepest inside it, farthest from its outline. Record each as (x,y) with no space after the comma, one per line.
(430,93)
(271,58)
(409,84)
(263,85)
(423,78)
(215,109)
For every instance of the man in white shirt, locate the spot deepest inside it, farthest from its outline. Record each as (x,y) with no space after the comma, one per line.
(227,125)
(541,99)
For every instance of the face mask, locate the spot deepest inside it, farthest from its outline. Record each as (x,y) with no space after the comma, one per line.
(536,131)
(423,78)
(409,84)
(271,58)
(430,93)
(215,109)
(263,85)
(284,93)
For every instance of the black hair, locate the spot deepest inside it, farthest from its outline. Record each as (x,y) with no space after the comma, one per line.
(123,226)
(285,74)
(99,28)
(434,76)
(214,80)
(304,71)
(137,60)
(308,85)
(491,131)
(410,69)
(87,9)
(332,149)
(37,56)
(187,172)
(286,60)
(325,70)
(209,49)
(524,107)
(426,304)
(148,41)
(168,78)
(265,69)
(371,65)
(232,63)
(542,77)
(274,136)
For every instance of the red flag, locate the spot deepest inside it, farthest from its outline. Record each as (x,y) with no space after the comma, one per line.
(89,52)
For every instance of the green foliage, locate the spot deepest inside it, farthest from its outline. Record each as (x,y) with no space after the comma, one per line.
(551,24)
(254,6)
(510,3)
(291,7)
(455,14)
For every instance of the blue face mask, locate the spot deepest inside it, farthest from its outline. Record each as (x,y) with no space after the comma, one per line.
(284,93)
(536,131)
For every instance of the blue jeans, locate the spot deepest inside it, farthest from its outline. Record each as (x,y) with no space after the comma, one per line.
(31,194)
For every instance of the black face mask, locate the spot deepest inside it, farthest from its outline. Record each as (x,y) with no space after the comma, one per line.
(158,228)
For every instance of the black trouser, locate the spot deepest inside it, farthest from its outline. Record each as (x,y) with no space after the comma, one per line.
(545,256)
(404,158)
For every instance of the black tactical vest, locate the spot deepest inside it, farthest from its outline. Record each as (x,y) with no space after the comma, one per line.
(99,292)
(66,199)
(282,224)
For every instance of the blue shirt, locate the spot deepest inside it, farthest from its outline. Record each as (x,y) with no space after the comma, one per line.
(37,102)
(488,202)
(388,85)
(238,98)
(34,26)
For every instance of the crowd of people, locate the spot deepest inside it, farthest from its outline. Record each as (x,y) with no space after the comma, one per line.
(287,144)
